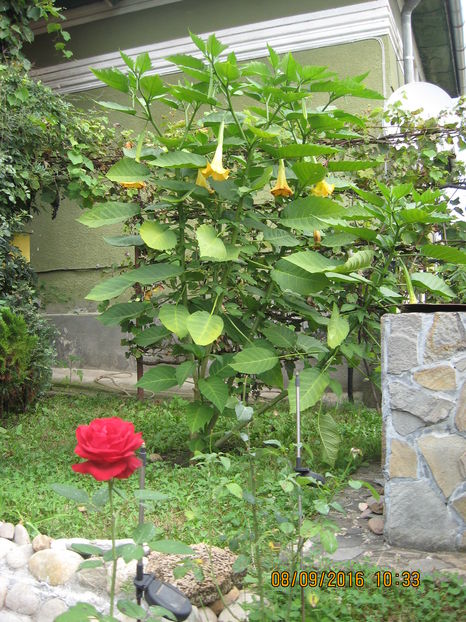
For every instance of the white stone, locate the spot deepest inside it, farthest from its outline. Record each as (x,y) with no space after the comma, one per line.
(7,530)
(194,615)
(51,609)
(9,616)
(3,590)
(19,556)
(93,578)
(205,614)
(234,613)
(41,542)
(245,596)
(21,598)
(21,535)
(125,573)
(5,547)
(54,566)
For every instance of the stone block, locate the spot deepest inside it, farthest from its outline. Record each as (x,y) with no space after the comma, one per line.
(418,402)
(403,460)
(407,325)
(460,506)
(234,613)
(5,547)
(3,590)
(404,423)
(418,517)
(7,531)
(461,364)
(205,614)
(443,454)
(21,535)
(460,417)
(402,354)
(440,378)
(445,338)
(462,465)
(51,609)
(54,566)
(21,599)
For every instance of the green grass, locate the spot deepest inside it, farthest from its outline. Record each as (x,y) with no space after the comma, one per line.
(37,450)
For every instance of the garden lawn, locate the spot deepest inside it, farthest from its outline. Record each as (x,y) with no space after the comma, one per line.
(37,450)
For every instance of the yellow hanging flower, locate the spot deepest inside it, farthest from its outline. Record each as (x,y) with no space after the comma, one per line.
(317,237)
(133,184)
(215,168)
(202,181)
(281,188)
(323,189)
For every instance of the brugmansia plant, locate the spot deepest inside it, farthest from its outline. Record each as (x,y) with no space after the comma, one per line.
(257,241)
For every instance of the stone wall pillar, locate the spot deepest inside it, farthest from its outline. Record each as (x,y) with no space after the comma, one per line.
(424,417)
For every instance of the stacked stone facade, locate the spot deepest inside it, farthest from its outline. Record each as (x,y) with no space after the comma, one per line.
(424,413)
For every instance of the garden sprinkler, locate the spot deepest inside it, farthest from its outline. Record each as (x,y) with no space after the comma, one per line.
(154,591)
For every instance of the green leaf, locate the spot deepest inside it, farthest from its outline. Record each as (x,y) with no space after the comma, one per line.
(328,540)
(100,498)
(180,159)
(351,165)
(151,336)
(235,489)
(291,277)
(310,345)
(321,506)
(313,383)
(158,378)
(338,328)
(198,416)
(117,107)
(157,236)
(311,261)
(309,213)
(78,613)
(358,261)
(193,67)
(273,377)
(152,86)
(280,335)
(143,533)
(175,318)
(416,215)
(210,246)
(184,371)
(309,173)
(119,312)
(171,547)
(87,549)
(103,214)
(240,564)
(445,253)
(330,437)
(215,391)
(146,275)
(128,170)
(204,328)
(338,239)
(131,609)
(221,366)
(298,151)
(124,240)
(91,563)
(433,283)
(279,237)
(71,492)
(254,360)
(150,495)
(114,78)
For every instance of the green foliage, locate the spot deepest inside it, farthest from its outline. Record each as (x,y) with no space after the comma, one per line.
(245,264)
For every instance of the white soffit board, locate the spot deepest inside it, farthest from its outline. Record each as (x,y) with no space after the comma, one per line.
(330,27)
(99,10)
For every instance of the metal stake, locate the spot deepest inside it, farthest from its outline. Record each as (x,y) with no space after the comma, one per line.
(142,482)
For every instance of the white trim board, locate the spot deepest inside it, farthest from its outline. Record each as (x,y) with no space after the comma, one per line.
(99,10)
(330,27)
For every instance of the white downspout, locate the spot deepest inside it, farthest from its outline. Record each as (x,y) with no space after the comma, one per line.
(407,37)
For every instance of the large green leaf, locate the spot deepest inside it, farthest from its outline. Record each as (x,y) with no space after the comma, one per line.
(198,415)
(309,172)
(157,236)
(215,391)
(280,335)
(445,253)
(175,317)
(308,214)
(151,336)
(184,371)
(254,360)
(338,239)
(338,328)
(124,240)
(417,215)
(117,107)
(204,328)
(158,378)
(180,159)
(273,377)
(113,78)
(210,246)
(433,283)
(146,275)
(221,367)
(171,547)
(358,261)
(310,344)
(108,214)
(128,170)
(279,237)
(329,435)
(293,278)
(312,262)
(299,150)
(152,86)
(352,165)
(119,312)
(313,383)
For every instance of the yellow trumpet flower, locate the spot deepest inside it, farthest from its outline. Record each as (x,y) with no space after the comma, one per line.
(281,188)
(215,168)
(317,237)
(133,184)
(202,181)
(323,189)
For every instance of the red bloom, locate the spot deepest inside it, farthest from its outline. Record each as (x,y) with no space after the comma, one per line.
(108,445)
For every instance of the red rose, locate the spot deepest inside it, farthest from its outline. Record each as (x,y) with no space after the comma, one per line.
(108,445)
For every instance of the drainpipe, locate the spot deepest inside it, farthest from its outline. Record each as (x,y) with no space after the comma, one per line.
(407,37)
(457,21)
